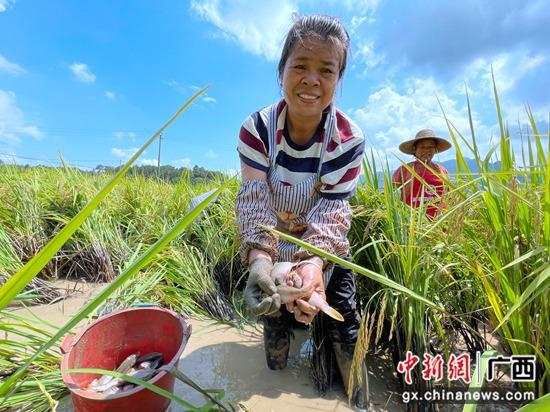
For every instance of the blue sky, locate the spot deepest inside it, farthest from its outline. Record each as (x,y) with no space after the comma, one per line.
(92,80)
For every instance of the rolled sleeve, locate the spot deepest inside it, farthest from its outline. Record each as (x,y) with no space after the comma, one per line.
(254,208)
(329,222)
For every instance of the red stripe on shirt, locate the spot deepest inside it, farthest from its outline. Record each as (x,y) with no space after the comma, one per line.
(251,141)
(321,136)
(344,127)
(350,175)
(331,146)
(280,107)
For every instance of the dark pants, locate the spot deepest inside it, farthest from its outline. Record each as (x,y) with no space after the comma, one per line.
(340,294)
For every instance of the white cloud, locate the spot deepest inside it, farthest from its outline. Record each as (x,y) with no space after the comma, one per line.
(210,154)
(365,54)
(9,67)
(148,162)
(394,114)
(124,135)
(258,27)
(180,88)
(12,122)
(82,72)
(4,5)
(508,68)
(176,86)
(364,8)
(124,153)
(110,95)
(185,162)
(356,22)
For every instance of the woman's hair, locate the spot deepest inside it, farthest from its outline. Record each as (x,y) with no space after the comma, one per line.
(317,27)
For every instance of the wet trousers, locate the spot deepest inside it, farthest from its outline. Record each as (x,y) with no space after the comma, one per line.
(340,294)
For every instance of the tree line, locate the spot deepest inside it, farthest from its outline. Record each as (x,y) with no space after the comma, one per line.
(167,173)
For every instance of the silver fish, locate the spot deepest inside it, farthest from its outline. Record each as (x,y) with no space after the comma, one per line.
(105,382)
(153,356)
(112,383)
(112,390)
(283,273)
(149,364)
(290,294)
(127,363)
(102,380)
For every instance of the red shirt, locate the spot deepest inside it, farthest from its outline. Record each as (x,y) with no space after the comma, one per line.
(414,192)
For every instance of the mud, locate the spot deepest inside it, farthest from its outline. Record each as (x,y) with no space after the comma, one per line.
(226,358)
(223,357)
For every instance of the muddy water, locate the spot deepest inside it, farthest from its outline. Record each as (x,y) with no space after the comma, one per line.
(222,357)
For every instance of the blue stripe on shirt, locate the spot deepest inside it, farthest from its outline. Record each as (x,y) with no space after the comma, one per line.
(336,196)
(303,164)
(252,163)
(261,129)
(343,160)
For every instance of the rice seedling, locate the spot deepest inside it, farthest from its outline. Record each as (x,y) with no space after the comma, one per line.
(38,290)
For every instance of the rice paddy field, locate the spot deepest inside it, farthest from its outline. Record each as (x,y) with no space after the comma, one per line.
(474,280)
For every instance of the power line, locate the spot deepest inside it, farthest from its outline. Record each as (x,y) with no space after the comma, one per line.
(57,160)
(7,156)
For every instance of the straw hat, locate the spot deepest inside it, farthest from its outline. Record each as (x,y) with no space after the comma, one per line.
(408,146)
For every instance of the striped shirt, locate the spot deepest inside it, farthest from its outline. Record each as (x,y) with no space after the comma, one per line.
(341,163)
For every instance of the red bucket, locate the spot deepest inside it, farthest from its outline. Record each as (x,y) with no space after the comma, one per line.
(105,343)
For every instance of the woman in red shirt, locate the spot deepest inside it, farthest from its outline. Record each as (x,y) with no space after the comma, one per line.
(427,183)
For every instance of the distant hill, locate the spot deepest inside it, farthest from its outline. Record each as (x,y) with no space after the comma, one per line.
(167,172)
(450,165)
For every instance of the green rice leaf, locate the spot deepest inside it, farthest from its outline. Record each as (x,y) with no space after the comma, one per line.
(136,381)
(540,404)
(19,280)
(480,372)
(358,269)
(535,289)
(131,270)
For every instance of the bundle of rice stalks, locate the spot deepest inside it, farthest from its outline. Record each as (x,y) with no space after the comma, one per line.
(38,290)
(191,286)
(42,386)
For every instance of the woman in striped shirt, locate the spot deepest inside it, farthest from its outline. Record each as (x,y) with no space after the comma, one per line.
(300,161)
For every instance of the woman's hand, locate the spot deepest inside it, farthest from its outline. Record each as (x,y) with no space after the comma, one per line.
(259,284)
(311,274)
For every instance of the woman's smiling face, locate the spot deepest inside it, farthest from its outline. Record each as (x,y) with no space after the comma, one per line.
(310,77)
(425,149)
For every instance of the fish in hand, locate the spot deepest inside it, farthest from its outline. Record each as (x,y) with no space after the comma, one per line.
(289,286)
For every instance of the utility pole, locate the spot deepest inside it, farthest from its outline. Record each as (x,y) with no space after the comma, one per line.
(158,159)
